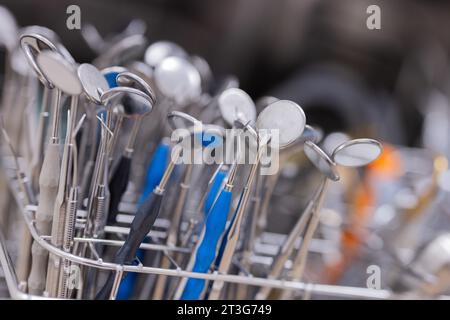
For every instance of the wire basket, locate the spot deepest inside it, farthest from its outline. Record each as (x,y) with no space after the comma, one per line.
(27,213)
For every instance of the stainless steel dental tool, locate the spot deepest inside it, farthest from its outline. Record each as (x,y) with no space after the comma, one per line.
(33,46)
(284,120)
(63,75)
(353,153)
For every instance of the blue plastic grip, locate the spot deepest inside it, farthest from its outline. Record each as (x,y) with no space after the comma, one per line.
(214,227)
(214,190)
(223,243)
(155,170)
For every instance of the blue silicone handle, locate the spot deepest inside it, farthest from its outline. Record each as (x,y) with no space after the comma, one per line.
(155,170)
(214,227)
(214,190)
(223,243)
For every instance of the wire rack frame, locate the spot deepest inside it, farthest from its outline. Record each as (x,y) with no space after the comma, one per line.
(27,211)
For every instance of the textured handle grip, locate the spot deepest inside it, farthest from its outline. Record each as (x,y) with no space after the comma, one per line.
(48,184)
(214,227)
(24,258)
(142,223)
(214,190)
(36,279)
(117,187)
(155,170)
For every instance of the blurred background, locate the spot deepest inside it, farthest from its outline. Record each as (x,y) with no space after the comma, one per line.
(377,78)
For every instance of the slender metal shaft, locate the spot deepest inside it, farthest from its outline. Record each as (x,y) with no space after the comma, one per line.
(55,115)
(129,149)
(38,155)
(59,213)
(288,246)
(172,237)
(235,227)
(300,260)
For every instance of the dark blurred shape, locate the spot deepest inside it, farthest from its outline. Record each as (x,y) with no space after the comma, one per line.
(266,43)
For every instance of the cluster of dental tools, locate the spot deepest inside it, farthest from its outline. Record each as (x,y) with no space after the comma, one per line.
(112,204)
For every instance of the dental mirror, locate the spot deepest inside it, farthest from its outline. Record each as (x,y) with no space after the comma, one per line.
(92,81)
(357,152)
(143,106)
(160,50)
(33,44)
(283,116)
(60,72)
(178,80)
(234,104)
(321,160)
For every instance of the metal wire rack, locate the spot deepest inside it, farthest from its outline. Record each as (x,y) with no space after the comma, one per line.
(27,213)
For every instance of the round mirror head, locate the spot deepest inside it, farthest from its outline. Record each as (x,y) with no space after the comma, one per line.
(32,44)
(135,103)
(129,79)
(235,104)
(321,160)
(92,81)
(285,118)
(42,31)
(60,72)
(357,152)
(37,42)
(178,80)
(160,50)
(51,39)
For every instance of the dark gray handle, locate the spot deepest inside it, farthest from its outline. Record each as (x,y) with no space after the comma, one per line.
(142,223)
(117,187)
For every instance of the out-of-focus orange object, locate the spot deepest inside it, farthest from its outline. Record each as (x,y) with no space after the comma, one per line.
(353,235)
(388,164)
(363,199)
